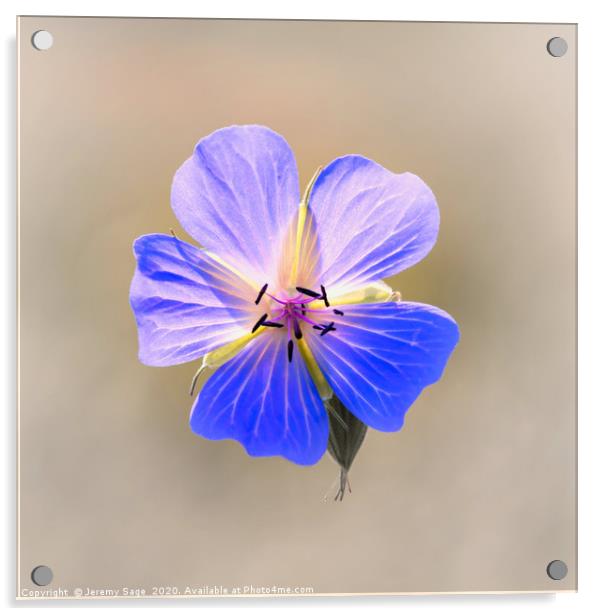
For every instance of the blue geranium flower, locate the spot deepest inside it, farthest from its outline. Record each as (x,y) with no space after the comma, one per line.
(286,297)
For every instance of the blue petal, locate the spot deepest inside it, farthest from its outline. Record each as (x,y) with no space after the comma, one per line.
(382,356)
(265,402)
(370,223)
(185,303)
(237,194)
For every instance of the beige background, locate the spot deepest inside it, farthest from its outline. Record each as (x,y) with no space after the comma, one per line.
(477,492)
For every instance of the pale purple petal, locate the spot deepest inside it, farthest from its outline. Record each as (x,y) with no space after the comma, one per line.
(185,303)
(237,194)
(370,223)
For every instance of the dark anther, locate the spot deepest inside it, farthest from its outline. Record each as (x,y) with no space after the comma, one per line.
(328,328)
(259,323)
(298,334)
(263,290)
(317,327)
(339,312)
(290,350)
(272,324)
(324,296)
(308,292)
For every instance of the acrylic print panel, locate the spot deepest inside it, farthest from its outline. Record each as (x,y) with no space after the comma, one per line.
(453,182)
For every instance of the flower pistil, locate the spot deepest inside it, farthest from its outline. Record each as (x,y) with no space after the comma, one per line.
(291,312)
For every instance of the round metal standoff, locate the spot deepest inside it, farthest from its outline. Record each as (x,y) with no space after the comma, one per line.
(557,46)
(42,40)
(41,575)
(557,569)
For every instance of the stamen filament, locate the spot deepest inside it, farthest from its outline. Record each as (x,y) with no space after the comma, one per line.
(277,300)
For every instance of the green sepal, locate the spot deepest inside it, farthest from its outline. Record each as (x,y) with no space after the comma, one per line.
(345,438)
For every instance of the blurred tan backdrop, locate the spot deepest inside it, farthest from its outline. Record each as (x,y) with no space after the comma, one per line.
(477,492)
